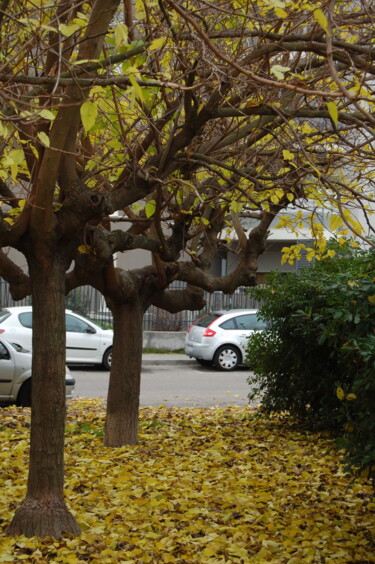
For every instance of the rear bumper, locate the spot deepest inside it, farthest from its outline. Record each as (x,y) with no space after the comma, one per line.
(199,350)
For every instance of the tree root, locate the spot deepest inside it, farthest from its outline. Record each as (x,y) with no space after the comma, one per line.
(46,517)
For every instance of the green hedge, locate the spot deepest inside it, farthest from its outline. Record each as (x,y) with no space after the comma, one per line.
(316,360)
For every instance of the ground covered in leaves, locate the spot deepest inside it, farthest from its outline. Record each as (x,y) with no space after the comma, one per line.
(203,486)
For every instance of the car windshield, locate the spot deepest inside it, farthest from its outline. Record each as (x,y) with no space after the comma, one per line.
(207,319)
(4,314)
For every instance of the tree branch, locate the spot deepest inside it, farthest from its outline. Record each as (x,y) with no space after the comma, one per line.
(191,298)
(19,282)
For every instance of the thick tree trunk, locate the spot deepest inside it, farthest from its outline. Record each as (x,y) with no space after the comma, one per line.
(43,512)
(121,426)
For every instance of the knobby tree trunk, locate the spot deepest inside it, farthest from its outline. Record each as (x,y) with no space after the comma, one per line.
(43,511)
(121,427)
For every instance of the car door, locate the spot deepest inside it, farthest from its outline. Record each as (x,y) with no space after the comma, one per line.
(82,341)
(22,333)
(6,372)
(246,325)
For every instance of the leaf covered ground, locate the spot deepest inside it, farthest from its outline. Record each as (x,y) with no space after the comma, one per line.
(203,486)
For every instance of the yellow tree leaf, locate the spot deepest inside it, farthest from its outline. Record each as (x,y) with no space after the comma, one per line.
(150,208)
(68,30)
(321,19)
(235,206)
(3,130)
(47,114)
(279,71)
(288,155)
(43,138)
(84,249)
(340,393)
(17,156)
(157,43)
(333,112)
(137,89)
(335,222)
(281,13)
(21,204)
(121,34)
(89,113)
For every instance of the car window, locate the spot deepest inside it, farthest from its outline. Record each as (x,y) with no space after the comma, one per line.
(91,322)
(249,322)
(229,324)
(4,353)
(207,319)
(76,325)
(26,319)
(4,315)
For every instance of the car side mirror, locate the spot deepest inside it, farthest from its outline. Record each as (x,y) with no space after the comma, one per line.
(91,330)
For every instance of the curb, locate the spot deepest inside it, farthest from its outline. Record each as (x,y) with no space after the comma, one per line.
(181,362)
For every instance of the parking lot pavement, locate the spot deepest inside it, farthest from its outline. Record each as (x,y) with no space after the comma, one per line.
(172,380)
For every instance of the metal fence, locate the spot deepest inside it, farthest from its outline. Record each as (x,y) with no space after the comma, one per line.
(89,302)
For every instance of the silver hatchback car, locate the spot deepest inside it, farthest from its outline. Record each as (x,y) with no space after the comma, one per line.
(220,338)
(15,375)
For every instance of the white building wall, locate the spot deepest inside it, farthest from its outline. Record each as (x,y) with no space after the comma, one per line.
(133,259)
(271,260)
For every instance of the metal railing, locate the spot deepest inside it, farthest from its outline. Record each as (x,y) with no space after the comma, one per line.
(90,302)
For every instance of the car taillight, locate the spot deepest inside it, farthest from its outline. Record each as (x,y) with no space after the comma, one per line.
(2,330)
(209,333)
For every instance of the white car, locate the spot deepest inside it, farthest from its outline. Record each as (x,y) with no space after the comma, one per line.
(86,342)
(15,375)
(220,338)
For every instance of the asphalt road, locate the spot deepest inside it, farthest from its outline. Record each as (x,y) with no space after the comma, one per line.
(180,385)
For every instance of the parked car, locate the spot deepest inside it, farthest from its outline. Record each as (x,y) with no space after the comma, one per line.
(15,375)
(220,338)
(86,342)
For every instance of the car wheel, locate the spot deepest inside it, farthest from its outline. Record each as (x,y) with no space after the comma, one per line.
(24,395)
(107,359)
(204,362)
(227,357)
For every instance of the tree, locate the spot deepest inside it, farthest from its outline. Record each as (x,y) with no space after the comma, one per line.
(188,119)
(228,176)
(46,241)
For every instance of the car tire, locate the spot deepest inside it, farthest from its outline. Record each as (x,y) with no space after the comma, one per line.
(204,362)
(227,357)
(107,359)
(24,395)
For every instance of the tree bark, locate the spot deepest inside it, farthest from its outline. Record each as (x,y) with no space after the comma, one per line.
(121,427)
(43,511)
